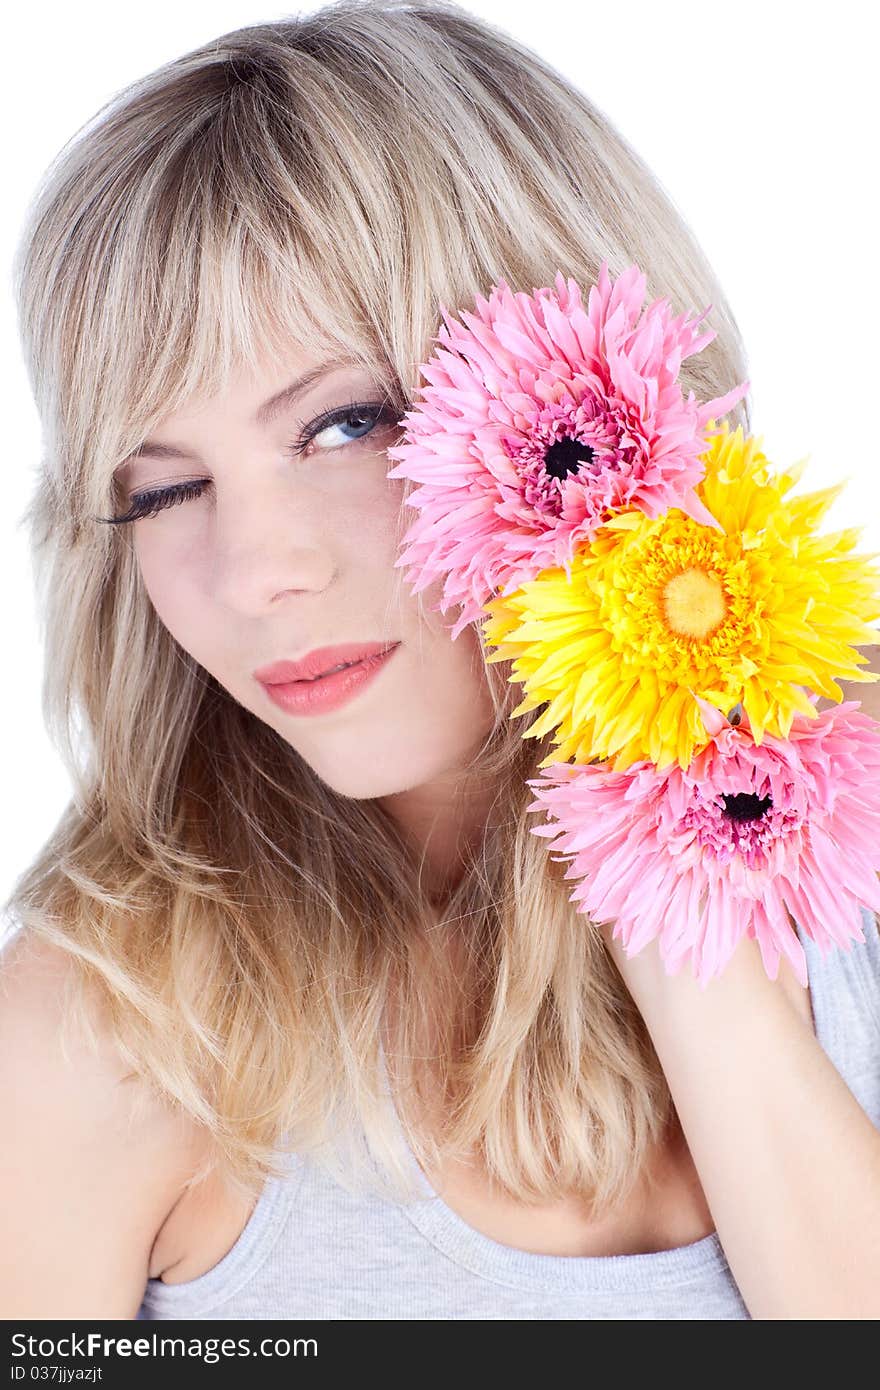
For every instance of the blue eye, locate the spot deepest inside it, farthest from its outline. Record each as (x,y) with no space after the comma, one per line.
(365,416)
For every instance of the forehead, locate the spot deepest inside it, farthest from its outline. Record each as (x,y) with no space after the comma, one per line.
(285,386)
(246,396)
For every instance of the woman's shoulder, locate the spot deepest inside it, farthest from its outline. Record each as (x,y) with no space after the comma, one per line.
(74,1057)
(87,1147)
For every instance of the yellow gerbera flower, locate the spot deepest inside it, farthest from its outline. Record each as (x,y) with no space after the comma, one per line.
(658,612)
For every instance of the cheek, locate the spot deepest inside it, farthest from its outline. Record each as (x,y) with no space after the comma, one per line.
(452,686)
(167,574)
(378,517)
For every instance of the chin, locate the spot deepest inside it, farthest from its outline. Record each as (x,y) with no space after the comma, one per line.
(361,783)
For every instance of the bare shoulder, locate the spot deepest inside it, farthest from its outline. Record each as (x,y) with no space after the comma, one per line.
(93,1160)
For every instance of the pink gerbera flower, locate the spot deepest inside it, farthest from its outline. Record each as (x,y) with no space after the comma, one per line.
(542,418)
(744,840)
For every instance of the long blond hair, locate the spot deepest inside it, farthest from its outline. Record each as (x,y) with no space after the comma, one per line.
(324,179)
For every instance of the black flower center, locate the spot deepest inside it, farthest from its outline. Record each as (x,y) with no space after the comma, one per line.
(745,806)
(566,456)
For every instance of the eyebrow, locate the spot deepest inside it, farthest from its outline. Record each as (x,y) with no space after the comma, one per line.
(263,416)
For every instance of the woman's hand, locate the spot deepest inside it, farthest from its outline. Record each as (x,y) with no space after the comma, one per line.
(788,1160)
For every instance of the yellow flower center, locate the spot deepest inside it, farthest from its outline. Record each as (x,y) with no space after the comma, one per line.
(694,603)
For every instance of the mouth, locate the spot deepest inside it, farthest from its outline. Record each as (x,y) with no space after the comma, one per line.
(328,690)
(321,663)
(343,666)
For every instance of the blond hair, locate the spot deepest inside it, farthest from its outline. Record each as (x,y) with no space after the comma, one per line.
(325,179)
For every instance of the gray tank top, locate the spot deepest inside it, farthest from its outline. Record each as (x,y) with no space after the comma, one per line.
(313,1250)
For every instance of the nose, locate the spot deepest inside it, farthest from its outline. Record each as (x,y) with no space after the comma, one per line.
(267,546)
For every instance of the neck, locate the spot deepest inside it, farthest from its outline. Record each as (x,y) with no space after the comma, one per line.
(442,820)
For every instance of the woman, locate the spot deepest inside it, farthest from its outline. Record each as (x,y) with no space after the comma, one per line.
(311,964)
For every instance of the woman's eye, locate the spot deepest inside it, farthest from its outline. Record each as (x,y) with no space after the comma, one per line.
(361,418)
(144,504)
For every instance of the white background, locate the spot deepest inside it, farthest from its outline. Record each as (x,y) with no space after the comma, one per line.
(761,121)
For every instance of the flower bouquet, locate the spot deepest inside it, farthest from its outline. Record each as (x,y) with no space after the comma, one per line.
(678,613)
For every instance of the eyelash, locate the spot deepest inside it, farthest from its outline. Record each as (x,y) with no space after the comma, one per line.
(146,504)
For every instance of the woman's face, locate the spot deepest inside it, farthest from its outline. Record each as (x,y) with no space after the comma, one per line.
(283,553)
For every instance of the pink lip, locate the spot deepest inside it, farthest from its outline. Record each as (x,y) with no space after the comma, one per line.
(318,662)
(321,694)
